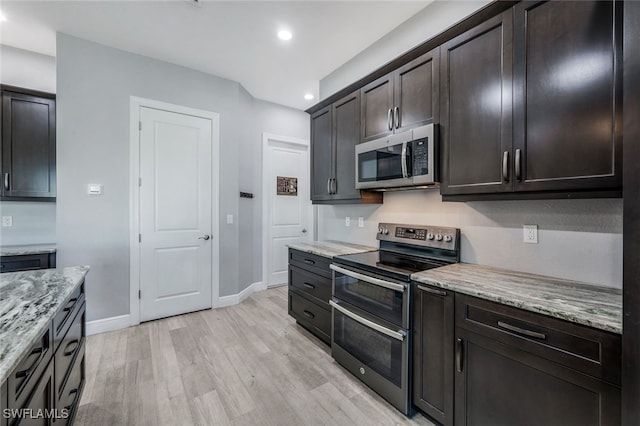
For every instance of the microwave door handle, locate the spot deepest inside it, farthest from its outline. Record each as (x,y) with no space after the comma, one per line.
(404,160)
(368,279)
(367,323)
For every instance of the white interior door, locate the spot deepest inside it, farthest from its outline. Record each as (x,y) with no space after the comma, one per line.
(289,217)
(175,213)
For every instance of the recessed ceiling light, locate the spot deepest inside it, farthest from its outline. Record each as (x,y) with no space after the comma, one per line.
(308,96)
(284,35)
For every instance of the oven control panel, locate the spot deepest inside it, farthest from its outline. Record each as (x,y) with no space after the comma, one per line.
(428,236)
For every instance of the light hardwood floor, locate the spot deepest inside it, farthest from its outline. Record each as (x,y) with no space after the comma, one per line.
(248,364)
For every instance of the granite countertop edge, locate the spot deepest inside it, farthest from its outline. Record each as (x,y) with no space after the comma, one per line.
(19,330)
(24,249)
(330,248)
(612,325)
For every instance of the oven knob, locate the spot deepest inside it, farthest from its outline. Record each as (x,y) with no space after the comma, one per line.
(379,230)
(447,238)
(438,237)
(385,231)
(430,236)
(361,370)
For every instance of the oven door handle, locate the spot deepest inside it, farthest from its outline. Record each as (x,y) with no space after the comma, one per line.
(370,280)
(384,330)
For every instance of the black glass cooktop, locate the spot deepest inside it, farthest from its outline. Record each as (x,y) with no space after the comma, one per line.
(389,264)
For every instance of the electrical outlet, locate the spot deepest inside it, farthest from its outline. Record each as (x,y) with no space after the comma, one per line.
(530,234)
(7,221)
(347,221)
(229,219)
(361,222)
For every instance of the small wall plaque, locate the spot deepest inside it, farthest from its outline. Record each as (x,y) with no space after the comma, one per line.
(287,186)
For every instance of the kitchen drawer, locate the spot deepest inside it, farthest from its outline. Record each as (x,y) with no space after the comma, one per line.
(24,262)
(584,349)
(312,316)
(25,376)
(311,284)
(69,347)
(311,262)
(62,320)
(69,397)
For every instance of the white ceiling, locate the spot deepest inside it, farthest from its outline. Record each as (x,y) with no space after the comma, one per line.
(231,39)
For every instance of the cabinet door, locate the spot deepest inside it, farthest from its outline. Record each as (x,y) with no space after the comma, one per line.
(416,92)
(567,95)
(28,146)
(498,384)
(377,108)
(321,155)
(433,352)
(346,135)
(475,109)
(38,409)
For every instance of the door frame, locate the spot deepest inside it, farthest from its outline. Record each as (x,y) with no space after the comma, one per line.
(135,103)
(266,229)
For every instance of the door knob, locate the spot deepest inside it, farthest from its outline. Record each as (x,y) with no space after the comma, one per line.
(204,237)
(304,230)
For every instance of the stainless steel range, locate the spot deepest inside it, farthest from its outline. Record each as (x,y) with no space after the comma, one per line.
(371,334)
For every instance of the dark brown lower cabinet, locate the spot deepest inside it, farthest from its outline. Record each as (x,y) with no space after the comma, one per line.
(40,402)
(498,384)
(514,367)
(433,351)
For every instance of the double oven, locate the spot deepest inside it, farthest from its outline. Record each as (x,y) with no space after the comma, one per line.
(371,335)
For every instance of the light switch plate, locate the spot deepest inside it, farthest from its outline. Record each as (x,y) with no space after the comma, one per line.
(94,189)
(361,222)
(347,221)
(229,219)
(7,221)
(530,234)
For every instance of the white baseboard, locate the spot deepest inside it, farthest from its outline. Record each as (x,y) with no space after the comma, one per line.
(107,324)
(234,299)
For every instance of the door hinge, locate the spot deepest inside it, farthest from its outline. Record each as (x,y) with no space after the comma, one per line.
(139,238)
(139,181)
(139,294)
(140,125)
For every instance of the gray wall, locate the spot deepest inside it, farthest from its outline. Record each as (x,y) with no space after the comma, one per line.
(430,21)
(578,239)
(95,83)
(33,222)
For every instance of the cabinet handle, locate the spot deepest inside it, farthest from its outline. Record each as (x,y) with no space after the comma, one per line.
(309,262)
(518,164)
(75,393)
(70,304)
(6,181)
(334,185)
(459,355)
(329,186)
(505,166)
(396,118)
(24,373)
(390,119)
(522,331)
(308,285)
(309,314)
(432,291)
(68,351)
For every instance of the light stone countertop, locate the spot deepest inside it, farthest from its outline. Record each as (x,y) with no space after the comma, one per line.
(331,248)
(594,306)
(27,249)
(28,302)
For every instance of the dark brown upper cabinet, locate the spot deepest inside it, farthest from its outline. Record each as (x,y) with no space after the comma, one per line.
(335,131)
(531,103)
(567,95)
(28,145)
(476,118)
(402,99)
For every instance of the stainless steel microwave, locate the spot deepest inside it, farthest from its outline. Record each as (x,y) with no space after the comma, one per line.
(402,161)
